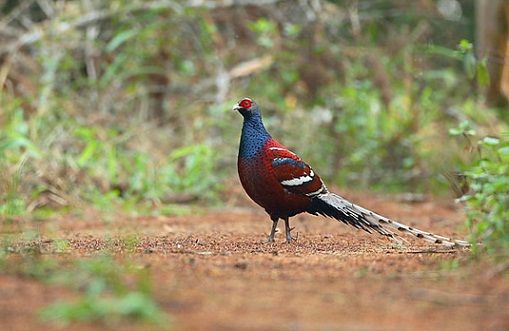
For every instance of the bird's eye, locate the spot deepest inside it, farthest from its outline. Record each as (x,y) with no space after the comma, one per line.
(246,103)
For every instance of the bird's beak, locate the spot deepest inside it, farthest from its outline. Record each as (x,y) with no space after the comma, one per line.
(236,107)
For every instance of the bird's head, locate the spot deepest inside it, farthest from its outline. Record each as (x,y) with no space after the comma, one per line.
(247,107)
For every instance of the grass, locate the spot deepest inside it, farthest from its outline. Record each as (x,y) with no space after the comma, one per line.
(104,290)
(105,296)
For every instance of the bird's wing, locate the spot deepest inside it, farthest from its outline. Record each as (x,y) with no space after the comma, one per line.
(293,174)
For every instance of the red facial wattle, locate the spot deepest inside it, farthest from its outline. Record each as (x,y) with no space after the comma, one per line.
(246,103)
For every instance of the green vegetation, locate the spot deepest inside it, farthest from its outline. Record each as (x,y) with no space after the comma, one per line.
(106,296)
(488,199)
(126,104)
(106,291)
(487,192)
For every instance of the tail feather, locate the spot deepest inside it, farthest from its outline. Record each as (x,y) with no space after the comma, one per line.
(337,207)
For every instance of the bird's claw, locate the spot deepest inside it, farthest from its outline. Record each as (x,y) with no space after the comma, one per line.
(289,238)
(288,231)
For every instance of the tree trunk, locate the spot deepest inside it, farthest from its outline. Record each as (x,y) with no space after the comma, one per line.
(492,27)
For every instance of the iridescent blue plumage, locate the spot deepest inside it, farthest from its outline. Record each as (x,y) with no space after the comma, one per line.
(280,161)
(254,136)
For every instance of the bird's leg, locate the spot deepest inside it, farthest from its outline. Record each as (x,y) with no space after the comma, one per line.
(288,230)
(274,229)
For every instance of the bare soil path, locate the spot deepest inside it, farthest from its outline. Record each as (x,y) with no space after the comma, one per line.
(214,271)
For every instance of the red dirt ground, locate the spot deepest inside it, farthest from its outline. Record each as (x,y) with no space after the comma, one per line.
(214,271)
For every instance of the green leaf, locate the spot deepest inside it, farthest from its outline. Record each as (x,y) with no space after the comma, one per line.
(490,141)
(182,152)
(463,128)
(112,70)
(465,45)
(504,151)
(262,25)
(88,153)
(443,51)
(455,131)
(119,39)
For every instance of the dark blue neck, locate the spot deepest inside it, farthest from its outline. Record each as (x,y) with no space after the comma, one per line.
(254,136)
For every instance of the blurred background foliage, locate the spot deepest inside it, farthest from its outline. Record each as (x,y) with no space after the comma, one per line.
(128,103)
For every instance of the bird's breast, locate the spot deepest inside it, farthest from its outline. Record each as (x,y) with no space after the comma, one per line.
(261,185)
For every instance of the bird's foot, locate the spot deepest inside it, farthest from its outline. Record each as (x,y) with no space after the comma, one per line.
(270,239)
(289,237)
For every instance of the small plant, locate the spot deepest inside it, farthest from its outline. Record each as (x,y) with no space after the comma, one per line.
(191,169)
(135,306)
(109,292)
(475,69)
(15,149)
(24,260)
(488,200)
(108,298)
(450,265)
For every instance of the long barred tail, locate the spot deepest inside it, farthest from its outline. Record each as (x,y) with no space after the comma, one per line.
(337,207)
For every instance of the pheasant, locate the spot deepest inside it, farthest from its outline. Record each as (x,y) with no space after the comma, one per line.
(279,181)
